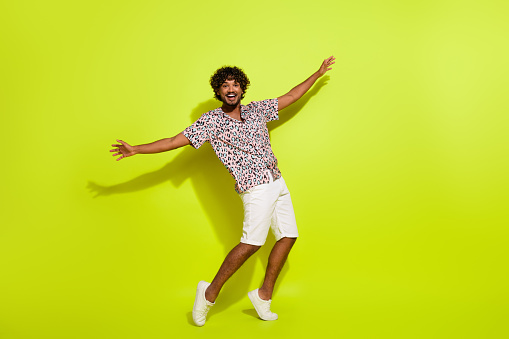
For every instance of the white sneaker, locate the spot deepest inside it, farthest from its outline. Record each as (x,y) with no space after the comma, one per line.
(201,305)
(261,306)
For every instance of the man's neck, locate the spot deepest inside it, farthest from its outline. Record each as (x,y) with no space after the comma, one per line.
(232,111)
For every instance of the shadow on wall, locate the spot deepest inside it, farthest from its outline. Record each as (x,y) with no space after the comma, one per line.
(214,189)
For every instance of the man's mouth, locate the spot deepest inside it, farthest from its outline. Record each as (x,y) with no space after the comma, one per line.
(231,96)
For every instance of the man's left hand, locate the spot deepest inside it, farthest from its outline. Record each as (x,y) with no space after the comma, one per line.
(326,65)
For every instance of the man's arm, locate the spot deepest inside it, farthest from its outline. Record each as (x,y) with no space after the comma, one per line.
(125,150)
(298,91)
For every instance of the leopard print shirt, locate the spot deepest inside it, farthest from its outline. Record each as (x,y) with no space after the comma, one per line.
(242,146)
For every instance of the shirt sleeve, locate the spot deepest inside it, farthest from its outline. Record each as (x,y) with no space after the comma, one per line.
(268,108)
(198,132)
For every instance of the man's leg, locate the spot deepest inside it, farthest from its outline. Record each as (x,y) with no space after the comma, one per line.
(206,293)
(277,259)
(237,256)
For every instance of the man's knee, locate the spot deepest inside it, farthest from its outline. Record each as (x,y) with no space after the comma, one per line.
(289,240)
(248,248)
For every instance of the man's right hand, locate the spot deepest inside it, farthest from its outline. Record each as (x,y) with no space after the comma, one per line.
(123,149)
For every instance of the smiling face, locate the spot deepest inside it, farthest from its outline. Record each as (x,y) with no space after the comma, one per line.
(230,92)
(229,80)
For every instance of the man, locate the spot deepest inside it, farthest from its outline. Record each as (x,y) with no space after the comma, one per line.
(239,136)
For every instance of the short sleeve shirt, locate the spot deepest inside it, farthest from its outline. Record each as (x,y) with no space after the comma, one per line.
(242,146)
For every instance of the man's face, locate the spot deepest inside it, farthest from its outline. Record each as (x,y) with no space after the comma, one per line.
(230,92)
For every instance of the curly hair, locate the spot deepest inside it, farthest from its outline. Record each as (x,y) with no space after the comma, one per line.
(229,73)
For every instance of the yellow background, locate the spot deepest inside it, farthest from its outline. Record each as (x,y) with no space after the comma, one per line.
(397,163)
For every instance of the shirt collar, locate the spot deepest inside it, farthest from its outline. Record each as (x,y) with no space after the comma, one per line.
(244,112)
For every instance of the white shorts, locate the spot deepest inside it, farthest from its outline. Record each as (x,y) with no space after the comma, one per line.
(268,205)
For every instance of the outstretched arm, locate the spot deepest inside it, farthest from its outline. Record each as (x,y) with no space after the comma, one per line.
(125,150)
(299,90)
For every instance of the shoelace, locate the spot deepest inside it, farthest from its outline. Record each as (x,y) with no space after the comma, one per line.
(266,306)
(203,313)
